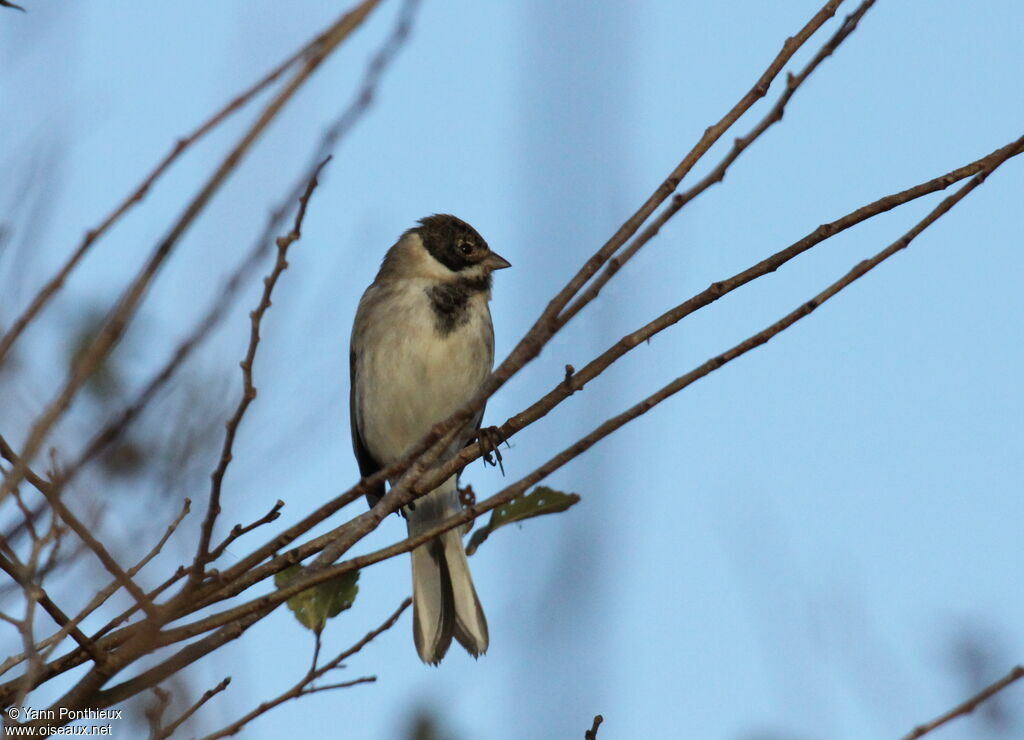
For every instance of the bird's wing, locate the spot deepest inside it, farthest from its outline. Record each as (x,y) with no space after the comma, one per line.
(367,464)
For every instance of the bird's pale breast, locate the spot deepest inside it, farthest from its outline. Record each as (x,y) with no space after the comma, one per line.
(409,375)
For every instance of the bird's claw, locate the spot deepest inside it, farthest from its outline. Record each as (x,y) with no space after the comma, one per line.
(490,438)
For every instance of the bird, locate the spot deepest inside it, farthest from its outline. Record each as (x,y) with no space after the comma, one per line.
(422,345)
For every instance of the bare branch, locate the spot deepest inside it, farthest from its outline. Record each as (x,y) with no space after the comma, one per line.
(78,527)
(238,530)
(968,706)
(716,291)
(591,734)
(168,730)
(542,330)
(155,713)
(420,471)
(7,453)
(22,575)
(248,387)
(196,650)
(103,594)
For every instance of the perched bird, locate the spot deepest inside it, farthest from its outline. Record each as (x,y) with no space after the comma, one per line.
(422,344)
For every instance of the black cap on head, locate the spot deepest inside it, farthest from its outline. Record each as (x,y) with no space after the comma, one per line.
(451,241)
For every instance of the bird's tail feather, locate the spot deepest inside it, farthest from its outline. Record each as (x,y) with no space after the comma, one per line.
(445,603)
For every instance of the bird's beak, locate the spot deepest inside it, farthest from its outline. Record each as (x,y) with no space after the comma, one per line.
(495,261)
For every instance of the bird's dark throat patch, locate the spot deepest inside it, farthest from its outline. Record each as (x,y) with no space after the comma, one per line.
(450,301)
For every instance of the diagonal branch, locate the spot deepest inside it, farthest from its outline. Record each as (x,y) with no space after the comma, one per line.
(114,328)
(22,575)
(162,733)
(578,379)
(793,82)
(342,124)
(968,706)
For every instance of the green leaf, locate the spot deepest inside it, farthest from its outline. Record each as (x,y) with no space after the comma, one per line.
(314,606)
(542,500)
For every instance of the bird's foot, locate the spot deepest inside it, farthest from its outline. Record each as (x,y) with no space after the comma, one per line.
(490,439)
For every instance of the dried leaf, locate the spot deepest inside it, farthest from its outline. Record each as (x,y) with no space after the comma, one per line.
(542,500)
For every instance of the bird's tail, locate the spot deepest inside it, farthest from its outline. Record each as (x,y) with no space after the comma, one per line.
(445,604)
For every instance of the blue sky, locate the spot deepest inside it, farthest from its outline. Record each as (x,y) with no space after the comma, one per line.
(791,544)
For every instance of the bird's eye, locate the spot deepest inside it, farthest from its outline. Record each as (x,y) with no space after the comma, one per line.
(465,247)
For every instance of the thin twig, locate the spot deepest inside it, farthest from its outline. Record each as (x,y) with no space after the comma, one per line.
(714,292)
(264,604)
(27,576)
(103,642)
(238,530)
(193,652)
(581,377)
(343,123)
(143,642)
(23,575)
(7,453)
(548,323)
(203,555)
(102,595)
(168,730)
(243,575)
(968,706)
(155,713)
(304,687)
(79,528)
(591,734)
